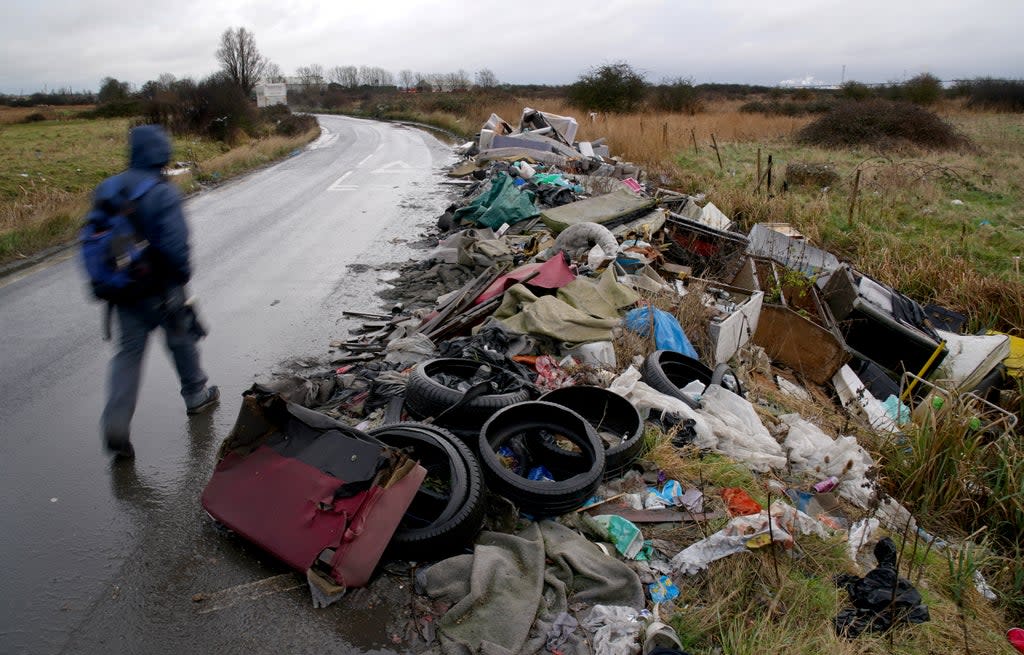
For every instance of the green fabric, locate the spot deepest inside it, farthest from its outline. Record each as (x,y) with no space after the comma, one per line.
(600,298)
(502,203)
(522,311)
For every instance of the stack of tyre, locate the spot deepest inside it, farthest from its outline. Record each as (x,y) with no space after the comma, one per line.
(546,455)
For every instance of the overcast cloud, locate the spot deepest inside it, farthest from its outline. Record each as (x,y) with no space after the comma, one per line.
(62,43)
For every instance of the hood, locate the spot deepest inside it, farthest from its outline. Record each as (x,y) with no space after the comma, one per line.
(150,147)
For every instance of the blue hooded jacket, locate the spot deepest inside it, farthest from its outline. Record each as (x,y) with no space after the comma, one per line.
(159,211)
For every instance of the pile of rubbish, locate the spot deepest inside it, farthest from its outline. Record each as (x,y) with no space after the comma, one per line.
(488,425)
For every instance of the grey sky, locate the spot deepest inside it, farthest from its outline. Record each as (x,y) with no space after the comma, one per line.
(62,43)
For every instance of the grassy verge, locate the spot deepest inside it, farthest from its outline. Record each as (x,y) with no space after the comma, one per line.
(50,168)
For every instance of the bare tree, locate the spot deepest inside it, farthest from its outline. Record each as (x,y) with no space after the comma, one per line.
(406,79)
(312,75)
(436,81)
(349,76)
(336,75)
(485,77)
(240,59)
(272,73)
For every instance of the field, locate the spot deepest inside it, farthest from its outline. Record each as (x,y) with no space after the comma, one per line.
(48,169)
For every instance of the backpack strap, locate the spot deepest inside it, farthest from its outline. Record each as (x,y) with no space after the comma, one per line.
(143,187)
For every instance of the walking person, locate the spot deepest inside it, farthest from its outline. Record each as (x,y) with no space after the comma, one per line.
(155,297)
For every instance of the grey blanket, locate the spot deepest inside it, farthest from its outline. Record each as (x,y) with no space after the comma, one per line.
(507,595)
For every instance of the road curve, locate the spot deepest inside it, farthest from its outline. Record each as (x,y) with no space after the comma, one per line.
(103,558)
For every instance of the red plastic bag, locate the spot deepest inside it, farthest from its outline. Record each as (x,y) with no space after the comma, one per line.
(739,502)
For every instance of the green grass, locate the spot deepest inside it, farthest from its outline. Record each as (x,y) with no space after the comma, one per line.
(905,228)
(48,170)
(73,155)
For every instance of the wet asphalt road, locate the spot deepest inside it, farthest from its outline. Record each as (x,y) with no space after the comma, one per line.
(102,557)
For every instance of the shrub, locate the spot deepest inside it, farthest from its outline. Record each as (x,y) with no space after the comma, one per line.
(677,96)
(924,89)
(992,94)
(295,124)
(34,117)
(855,91)
(616,88)
(127,107)
(882,124)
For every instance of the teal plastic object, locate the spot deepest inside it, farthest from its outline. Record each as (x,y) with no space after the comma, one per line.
(628,539)
(668,334)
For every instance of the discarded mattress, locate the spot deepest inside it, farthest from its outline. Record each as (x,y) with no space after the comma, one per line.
(321,497)
(618,206)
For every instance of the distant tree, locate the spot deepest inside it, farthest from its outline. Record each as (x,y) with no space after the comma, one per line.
(375,76)
(406,79)
(612,87)
(855,91)
(678,95)
(436,81)
(348,76)
(239,58)
(272,74)
(336,75)
(312,75)
(486,78)
(155,88)
(423,84)
(111,90)
(923,89)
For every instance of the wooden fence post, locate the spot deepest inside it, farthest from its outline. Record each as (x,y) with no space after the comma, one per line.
(758,178)
(853,199)
(717,154)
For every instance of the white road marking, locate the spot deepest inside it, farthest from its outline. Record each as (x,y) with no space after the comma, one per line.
(393,167)
(325,140)
(336,185)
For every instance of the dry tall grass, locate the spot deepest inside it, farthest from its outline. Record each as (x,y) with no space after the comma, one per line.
(652,138)
(11,115)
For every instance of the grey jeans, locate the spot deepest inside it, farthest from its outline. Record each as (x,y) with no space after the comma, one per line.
(135,322)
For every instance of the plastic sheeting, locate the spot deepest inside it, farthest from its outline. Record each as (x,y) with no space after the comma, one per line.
(737,431)
(668,334)
(743,532)
(814,453)
(645,398)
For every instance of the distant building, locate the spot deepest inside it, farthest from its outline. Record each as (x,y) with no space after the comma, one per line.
(271,94)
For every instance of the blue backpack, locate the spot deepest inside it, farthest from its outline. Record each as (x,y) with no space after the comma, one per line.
(114,251)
